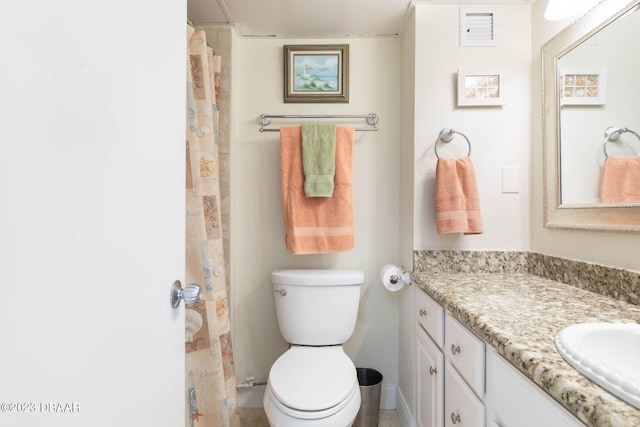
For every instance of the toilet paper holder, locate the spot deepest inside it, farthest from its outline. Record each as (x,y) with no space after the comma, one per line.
(394,277)
(405,277)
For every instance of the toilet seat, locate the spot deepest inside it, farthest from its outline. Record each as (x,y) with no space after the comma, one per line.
(313,382)
(325,415)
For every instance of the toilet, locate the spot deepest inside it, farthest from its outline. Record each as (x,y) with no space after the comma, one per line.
(314,383)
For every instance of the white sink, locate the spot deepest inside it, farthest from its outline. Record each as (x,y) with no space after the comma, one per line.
(606,353)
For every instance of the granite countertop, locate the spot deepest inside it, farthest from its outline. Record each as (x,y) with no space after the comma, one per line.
(519,314)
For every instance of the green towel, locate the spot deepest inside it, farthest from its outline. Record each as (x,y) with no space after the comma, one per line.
(318,158)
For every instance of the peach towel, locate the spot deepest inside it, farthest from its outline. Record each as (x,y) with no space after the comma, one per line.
(457,202)
(316,224)
(620,181)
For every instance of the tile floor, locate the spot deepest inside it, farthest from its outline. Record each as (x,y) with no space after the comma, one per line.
(255,417)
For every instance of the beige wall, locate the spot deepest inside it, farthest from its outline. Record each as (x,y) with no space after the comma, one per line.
(499,136)
(257,226)
(614,249)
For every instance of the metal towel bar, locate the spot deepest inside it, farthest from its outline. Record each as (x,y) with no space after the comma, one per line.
(371,118)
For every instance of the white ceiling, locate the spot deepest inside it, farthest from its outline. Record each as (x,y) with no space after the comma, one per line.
(313,18)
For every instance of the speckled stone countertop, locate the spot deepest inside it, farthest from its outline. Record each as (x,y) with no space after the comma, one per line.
(519,314)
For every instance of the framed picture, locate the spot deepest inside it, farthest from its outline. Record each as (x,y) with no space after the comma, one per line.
(583,86)
(479,88)
(316,73)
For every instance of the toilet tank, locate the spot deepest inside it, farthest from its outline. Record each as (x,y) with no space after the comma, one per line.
(317,307)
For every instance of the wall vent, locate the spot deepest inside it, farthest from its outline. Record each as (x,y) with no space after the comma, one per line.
(478,26)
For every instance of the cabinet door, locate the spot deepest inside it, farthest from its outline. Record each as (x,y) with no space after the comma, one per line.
(462,406)
(515,401)
(430,382)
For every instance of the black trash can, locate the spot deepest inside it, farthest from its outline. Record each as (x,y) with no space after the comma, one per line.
(370,382)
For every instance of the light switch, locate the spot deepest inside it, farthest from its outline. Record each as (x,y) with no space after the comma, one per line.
(510,179)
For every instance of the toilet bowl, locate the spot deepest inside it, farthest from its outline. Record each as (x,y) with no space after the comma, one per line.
(314,383)
(312,386)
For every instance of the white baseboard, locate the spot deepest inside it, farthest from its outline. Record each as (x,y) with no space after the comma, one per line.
(388,396)
(403,411)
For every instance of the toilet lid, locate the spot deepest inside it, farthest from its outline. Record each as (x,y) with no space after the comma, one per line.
(312,378)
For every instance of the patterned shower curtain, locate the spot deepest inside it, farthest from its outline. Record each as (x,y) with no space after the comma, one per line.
(211,397)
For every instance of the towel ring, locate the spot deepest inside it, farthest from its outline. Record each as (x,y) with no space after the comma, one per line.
(612,133)
(446,135)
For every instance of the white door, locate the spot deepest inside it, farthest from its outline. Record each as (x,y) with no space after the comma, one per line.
(91,213)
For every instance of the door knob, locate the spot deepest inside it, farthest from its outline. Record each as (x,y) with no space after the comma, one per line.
(190,294)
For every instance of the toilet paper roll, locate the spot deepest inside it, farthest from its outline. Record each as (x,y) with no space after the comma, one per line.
(386,274)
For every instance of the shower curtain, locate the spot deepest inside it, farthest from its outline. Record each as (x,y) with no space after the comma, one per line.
(211,397)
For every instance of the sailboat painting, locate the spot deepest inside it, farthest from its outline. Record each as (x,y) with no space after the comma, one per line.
(316,73)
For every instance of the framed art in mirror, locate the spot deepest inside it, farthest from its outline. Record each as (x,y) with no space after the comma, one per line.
(583,86)
(316,73)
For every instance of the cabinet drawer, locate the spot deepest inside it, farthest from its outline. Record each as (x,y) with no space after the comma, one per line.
(466,353)
(462,408)
(430,316)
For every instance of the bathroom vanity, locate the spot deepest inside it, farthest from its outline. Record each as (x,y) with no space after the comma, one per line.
(486,352)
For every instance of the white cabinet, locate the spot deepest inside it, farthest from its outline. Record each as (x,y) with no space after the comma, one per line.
(465,383)
(466,353)
(462,408)
(514,401)
(430,316)
(430,382)
(430,319)
(450,360)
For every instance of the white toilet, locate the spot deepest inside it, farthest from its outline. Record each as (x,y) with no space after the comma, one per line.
(314,383)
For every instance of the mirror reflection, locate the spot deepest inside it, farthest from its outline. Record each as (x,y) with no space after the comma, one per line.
(599,116)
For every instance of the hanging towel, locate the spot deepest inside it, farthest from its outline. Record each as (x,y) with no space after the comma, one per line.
(318,158)
(620,181)
(457,202)
(316,224)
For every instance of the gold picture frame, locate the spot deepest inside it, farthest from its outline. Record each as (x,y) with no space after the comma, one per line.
(316,73)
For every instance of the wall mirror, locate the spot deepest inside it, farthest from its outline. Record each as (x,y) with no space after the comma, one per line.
(591,95)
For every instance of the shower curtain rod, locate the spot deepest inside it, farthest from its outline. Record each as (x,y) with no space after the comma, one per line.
(371,118)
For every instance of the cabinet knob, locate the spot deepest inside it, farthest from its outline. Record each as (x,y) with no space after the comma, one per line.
(455,418)
(455,349)
(422,312)
(432,370)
